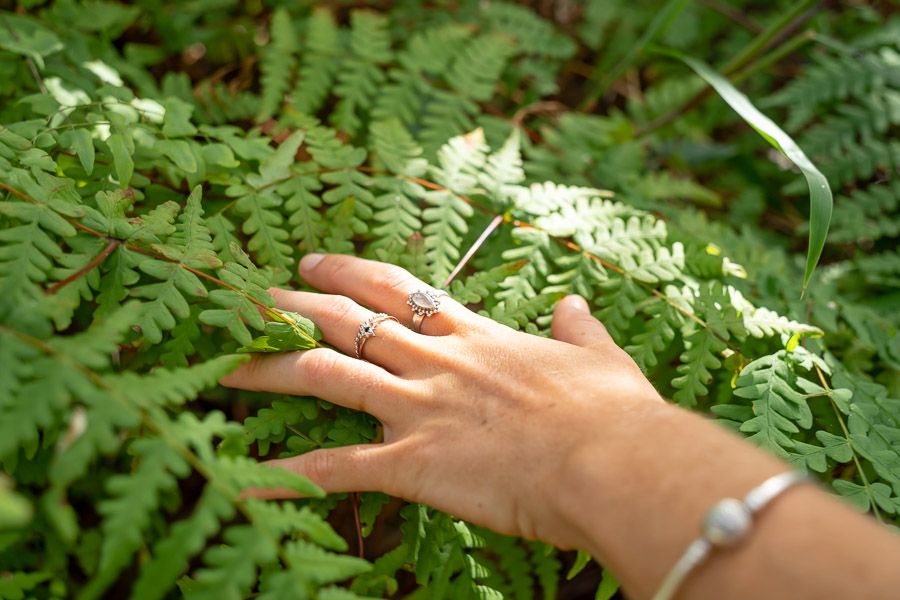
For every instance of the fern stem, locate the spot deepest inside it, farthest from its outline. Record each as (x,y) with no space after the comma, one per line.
(94,262)
(495,222)
(360,543)
(840,418)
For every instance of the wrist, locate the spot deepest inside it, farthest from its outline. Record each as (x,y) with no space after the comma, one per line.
(636,496)
(592,470)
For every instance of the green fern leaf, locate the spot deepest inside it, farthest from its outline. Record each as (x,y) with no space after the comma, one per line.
(313,564)
(231,569)
(779,409)
(287,519)
(135,498)
(269,424)
(239,307)
(476,69)
(278,62)
(186,538)
(319,63)
(697,363)
(239,473)
(360,76)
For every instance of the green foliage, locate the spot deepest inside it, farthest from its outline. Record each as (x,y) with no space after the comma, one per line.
(162,167)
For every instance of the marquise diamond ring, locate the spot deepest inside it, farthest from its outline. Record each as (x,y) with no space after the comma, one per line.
(424,303)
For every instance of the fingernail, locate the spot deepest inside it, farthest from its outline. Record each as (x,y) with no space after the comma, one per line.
(309,262)
(578,303)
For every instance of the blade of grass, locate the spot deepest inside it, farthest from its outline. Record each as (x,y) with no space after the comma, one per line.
(820,198)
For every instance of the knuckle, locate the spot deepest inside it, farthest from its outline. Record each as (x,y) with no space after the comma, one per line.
(320,466)
(425,354)
(339,308)
(318,366)
(253,371)
(396,279)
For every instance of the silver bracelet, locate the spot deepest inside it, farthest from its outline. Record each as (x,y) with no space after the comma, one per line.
(727,523)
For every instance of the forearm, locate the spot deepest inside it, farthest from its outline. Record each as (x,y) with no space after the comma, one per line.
(638,497)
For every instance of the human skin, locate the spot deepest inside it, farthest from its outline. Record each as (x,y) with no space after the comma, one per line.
(562,440)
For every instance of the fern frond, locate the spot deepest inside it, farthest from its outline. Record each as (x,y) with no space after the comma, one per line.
(319,64)
(185,539)
(657,335)
(446,114)
(231,568)
(531,33)
(360,76)
(503,171)
(430,50)
(874,426)
(269,424)
(870,213)
(277,63)
(697,363)
(172,387)
(287,519)
(651,266)
(520,313)
(618,301)
(135,498)
(849,124)
(833,78)
(239,473)
(476,69)
(349,197)
(481,285)
(239,307)
(779,409)
(28,251)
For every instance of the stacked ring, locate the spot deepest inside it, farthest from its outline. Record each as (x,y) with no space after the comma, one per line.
(424,303)
(367,330)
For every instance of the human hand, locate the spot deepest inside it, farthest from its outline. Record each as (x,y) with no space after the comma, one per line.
(480,421)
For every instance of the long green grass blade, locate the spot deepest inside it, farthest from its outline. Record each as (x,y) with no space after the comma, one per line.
(820,198)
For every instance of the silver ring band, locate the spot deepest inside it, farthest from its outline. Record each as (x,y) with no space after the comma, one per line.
(367,330)
(424,303)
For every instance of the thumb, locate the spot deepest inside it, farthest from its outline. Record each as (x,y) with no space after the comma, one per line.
(574,323)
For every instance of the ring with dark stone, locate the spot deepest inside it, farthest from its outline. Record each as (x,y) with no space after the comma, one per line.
(367,330)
